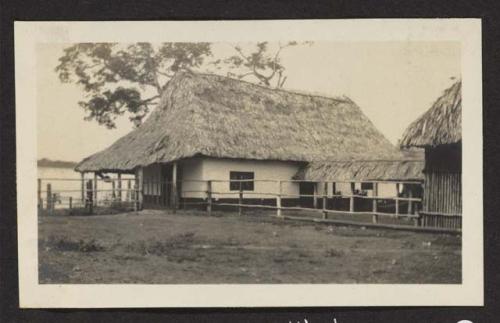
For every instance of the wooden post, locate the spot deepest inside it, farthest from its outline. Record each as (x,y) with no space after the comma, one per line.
(70,202)
(90,196)
(278,201)
(49,197)
(410,202)
(82,176)
(240,200)
(209,198)
(397,199)
(351,199)
(139,188)
(315,196)
(136,197)
(129,192)
(374,201)
(120,187)
(95,189)
(113,193)
(39,196)
(174,187)
(325,199)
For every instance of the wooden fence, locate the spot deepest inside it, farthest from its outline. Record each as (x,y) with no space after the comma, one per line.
(208,197)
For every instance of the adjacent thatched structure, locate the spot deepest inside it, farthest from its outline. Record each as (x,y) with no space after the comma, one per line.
(440,125)
(215,116)
(359,171)
(439,131)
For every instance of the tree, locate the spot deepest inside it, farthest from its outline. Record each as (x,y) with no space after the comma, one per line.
(262,63)
(117,79)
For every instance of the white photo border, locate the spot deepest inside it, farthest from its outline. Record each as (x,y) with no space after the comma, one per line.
(35,295)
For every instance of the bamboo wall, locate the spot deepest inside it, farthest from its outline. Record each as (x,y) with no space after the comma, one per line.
(442,203)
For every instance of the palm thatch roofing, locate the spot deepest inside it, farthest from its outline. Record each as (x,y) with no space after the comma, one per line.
(216,116)
(441,124)
(367,170)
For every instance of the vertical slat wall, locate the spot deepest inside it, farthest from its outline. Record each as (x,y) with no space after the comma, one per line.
(442,200)
(442,194)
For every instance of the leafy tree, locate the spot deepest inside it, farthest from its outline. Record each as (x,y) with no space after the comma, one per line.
(117,79)
(262,63)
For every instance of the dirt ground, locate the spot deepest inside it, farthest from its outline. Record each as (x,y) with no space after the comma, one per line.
(189,247)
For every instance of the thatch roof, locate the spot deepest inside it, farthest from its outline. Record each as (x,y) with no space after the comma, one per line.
(375,170)
(216,116)
(441,124)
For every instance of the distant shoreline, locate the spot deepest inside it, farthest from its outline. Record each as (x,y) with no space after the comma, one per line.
(44,162)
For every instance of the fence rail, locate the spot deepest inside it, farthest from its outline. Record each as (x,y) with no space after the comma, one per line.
(209,195)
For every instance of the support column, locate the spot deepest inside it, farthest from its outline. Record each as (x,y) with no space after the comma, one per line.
(397,199)
(315,196)
(278,200)
(374,201)
(351,199)
(120,187)
(325,199)
(209,198)
(139,184)
(82,176)
(95,189)
(175,197)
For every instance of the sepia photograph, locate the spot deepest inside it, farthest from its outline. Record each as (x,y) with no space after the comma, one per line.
(266,161)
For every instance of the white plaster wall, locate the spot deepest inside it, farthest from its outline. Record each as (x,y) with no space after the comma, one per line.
(192,170)
(218,169)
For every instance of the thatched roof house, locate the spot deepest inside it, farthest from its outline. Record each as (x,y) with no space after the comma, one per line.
(439,131)
(440,125)
(215,116)
(210,127)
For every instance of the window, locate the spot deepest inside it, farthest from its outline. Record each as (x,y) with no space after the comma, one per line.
(366,186)
(238,176)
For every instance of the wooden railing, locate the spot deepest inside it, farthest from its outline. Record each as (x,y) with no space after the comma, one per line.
(208,194)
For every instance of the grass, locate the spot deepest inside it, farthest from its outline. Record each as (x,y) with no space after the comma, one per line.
(189,248)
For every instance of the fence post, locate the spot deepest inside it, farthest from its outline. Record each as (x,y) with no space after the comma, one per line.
(410,202)
(129,192)
(95,189)
(39,196)
(90,196)
(397,199)
(374,201)
(113,193)
(416,220)
(49,197)
(240,200)
(70,202)
(139,188)
(174,187)
(82,176)
(315,196)
(325,199)
(136,197)
(120,187)
(209,198)
(278,200)
(351,199)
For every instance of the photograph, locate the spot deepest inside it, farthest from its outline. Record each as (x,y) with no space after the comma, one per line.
(249,162)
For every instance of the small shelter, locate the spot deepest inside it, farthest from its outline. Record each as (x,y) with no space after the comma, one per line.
(210,127)
(439,131)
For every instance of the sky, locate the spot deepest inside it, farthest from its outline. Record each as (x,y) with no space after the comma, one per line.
(392,82)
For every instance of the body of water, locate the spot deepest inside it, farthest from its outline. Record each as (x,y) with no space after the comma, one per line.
(66,183)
